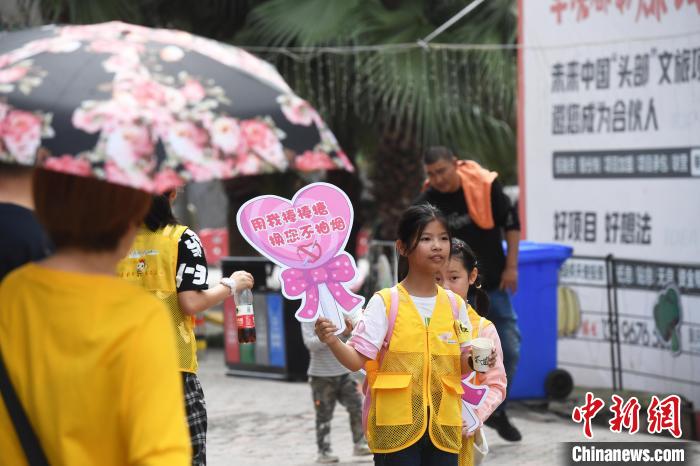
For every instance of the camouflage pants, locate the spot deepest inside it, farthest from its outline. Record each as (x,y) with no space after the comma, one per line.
(325,392)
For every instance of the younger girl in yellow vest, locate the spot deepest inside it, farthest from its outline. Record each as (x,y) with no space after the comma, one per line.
(414,406)
(168,260)
(461,275)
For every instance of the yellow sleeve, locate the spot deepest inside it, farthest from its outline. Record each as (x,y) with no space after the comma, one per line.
(155,424)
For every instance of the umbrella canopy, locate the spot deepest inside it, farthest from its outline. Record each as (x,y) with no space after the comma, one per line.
(151,108)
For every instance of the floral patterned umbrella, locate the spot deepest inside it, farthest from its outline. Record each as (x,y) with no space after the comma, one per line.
(151,108)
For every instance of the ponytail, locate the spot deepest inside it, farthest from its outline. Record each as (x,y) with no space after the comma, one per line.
(160,214)
(476,296)
(479,298)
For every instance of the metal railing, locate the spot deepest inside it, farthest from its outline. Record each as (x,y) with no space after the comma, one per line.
(620,273)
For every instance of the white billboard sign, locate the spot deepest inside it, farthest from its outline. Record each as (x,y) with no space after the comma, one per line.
(610,164)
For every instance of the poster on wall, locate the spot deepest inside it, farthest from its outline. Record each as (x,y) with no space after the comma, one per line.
(610,165)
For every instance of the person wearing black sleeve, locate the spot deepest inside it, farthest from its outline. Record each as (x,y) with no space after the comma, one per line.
(481,214)
(192,269)
(181,283)
(22,238)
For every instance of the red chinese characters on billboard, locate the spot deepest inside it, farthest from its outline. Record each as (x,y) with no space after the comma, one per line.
(581,10)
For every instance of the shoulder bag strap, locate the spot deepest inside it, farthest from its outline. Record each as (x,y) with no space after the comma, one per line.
(27,438)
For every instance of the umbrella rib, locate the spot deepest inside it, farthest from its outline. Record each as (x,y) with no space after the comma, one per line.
(72,80)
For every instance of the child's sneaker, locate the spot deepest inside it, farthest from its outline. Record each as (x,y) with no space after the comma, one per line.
(326,457)
(361,449)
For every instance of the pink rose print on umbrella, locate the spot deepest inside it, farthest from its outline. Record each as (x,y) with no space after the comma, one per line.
(156,115)
(306,237)
(263,142)
(146,92)
(141,96)
(203,170)
(226,134)
(314,160)
(248,164)
(187,140)
(122,63)
(167,179)
(116,174)
(193,91)
(89,118)
(127,143)
(297,110)
(69,164)
(13,74)
(21,134)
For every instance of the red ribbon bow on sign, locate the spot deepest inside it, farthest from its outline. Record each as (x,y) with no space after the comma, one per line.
(333,273)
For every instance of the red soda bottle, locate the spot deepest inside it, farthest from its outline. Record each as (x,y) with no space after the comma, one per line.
(245,319)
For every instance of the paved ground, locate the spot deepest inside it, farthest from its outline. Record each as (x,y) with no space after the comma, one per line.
(264,422)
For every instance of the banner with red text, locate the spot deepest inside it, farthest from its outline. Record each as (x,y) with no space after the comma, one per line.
(610,164)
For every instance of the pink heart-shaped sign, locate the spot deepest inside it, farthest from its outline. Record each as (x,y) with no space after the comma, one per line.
(473,394)
(303,233)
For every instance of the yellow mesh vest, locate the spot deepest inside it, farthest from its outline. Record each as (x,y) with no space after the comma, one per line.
(152,264)
(420,371)
(466,454)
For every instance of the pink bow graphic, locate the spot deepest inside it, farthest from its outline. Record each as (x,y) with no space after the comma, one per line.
(333,273)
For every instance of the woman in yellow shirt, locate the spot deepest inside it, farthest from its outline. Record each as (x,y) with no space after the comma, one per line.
(86,352)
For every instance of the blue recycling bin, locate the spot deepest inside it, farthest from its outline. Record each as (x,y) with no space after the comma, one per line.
(535,304)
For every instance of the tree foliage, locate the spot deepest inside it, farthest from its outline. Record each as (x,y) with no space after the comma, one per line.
(386,104)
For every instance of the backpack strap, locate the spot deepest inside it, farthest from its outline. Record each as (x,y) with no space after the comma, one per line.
(391,317)
(480,327)
(453,303)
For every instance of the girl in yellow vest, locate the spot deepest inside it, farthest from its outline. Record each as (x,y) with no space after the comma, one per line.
(413,414)
(168,260)
(461,275)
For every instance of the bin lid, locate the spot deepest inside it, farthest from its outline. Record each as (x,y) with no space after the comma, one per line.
(531,251)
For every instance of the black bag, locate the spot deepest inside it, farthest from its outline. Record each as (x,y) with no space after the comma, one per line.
(27,438)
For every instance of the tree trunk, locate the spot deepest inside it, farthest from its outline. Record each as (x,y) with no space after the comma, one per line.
(397,178)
